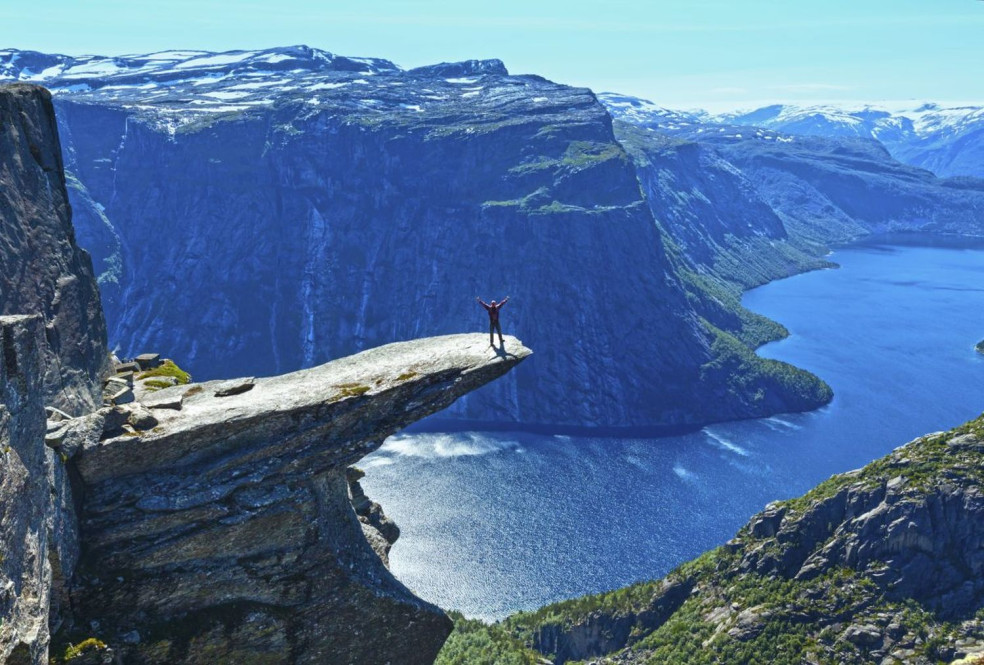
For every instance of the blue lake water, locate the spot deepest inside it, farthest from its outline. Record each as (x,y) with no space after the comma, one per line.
(497,522)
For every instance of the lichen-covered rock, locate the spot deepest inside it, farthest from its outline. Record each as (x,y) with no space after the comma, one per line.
(42,269)
(226,532)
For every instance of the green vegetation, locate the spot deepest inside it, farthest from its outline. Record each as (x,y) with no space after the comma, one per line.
(922,464)
(406,375)
(167,368)
(763,385)
(157,384)
(720,303)
(980,346)
(73,651)
(352,390)
(577,155)
(626,600)
(476,643)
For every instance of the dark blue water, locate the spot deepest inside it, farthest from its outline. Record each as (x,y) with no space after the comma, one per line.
(493,523)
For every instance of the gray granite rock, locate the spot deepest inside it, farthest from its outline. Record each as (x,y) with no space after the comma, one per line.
(38,531)
(229,528)
(42,269)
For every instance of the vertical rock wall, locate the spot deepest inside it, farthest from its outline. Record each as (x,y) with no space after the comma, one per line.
(25,500)
(53,341)
(42,269)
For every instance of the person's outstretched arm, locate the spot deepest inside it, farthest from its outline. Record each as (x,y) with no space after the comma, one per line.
(504,301)
(482,302)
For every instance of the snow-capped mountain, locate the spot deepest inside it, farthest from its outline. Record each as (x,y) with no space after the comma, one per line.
(181,87)
(948,140)
(252,212)
(647,114)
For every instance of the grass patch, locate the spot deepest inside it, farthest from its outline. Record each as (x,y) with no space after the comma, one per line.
(157,384)
(761,385)
(406,375)
(73,651)
(167,368)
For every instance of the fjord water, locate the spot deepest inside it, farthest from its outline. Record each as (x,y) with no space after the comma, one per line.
(495,522)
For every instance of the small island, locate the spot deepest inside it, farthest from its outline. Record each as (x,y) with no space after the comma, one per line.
(980,346)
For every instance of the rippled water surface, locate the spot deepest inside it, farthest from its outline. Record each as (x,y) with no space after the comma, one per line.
(493,522)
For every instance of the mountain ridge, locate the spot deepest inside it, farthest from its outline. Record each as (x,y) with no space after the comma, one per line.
(286,209)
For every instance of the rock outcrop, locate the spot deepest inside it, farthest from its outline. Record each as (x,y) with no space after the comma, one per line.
(880,565)
(223,530)
(202,523)
(42,269)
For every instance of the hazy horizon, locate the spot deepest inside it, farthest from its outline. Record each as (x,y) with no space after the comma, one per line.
(706,54)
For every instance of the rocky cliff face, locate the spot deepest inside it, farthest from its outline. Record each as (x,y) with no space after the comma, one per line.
(53,342)
(25,506)
(883,564)
(219,526)
(215,522)
(258,212)
(44,271)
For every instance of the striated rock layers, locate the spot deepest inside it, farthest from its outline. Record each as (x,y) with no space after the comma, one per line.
(217,522)
(880,565)
(42,270)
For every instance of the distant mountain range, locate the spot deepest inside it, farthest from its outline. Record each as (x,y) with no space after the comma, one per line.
(947,140)
(253,212)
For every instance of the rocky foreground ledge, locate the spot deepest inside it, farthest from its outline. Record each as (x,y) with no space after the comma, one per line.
(217,522)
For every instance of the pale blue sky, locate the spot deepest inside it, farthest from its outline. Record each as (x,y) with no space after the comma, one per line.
(679,53)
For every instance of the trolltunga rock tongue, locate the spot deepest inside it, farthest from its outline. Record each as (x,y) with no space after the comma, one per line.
(226,526)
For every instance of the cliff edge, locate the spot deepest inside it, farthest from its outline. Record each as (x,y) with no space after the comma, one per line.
(217,522)
(53,341)
(204,523)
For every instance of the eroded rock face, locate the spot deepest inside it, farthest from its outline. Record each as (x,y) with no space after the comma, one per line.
(53,341)
(38,530)
(42,270)
(226,531)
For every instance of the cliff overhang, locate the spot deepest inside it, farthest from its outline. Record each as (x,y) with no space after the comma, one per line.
(222,523)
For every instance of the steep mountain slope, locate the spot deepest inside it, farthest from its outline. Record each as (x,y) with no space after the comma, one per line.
(878,565)
(253,212)
(834,189)
(823,189)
